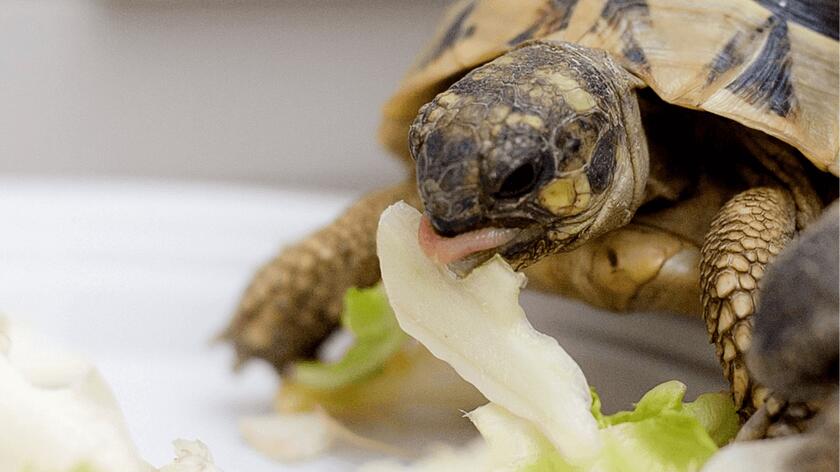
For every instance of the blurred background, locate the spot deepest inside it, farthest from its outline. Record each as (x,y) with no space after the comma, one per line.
(154,153)
(272,92)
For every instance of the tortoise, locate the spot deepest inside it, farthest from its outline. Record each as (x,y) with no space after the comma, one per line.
(639,155)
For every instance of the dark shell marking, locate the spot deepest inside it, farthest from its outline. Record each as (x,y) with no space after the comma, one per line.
(633,51)
(624,14)
(527,34)
(556,18)
(767,83)
(455,32)
(732,55)
(820,16)
(617,10)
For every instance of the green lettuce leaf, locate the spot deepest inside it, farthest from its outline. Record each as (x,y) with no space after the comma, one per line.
(369,318)
(714,411)
(662,433)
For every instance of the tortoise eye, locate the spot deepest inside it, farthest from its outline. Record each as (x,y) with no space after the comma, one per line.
(519,182)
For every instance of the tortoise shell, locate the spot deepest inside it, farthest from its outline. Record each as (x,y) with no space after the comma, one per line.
(770,65)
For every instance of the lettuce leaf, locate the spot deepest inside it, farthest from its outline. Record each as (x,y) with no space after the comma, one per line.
(57,413)
(715,412)
(661,434)
(368,316)
(477,326)
(542,415)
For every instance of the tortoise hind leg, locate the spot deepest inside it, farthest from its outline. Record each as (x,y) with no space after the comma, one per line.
(749,231)
(293,302)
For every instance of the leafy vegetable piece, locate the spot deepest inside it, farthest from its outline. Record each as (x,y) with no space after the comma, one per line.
(661,434)
(57,414)
(715,412)
(663,397)
(477,326)
(412,387)
(514,443)
(368,316)
(542,416)
(190,456)
(56,411)
(303,435)
(289,437)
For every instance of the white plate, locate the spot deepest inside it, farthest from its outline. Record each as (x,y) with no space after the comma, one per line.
(140,276)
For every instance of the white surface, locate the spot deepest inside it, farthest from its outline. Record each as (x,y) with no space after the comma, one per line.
(141,275)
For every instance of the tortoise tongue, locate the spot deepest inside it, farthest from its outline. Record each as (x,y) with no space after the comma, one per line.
(446,250)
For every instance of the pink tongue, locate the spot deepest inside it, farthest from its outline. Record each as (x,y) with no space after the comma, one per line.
(446,250)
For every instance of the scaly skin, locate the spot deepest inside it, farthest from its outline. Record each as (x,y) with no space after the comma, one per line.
(749,232)
(294,301)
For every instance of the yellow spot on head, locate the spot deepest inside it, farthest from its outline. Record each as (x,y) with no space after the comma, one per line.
(562,82)
(533,121)
(498,113)
(479,74)
(567,195)
(435,114)
(583,192)
(503,60)
(580,100)
(447,99)
(558,196)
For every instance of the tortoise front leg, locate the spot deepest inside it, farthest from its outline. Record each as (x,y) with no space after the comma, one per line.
(294,301)
(748,233)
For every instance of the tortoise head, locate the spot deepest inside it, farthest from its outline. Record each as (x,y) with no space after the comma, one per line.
(533,153)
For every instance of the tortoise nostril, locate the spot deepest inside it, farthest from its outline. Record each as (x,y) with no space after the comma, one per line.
(519,182)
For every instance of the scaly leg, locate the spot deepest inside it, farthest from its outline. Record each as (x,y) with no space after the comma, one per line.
(748,233)
(294,301)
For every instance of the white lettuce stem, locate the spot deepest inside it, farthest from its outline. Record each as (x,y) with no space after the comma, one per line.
(477,326)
